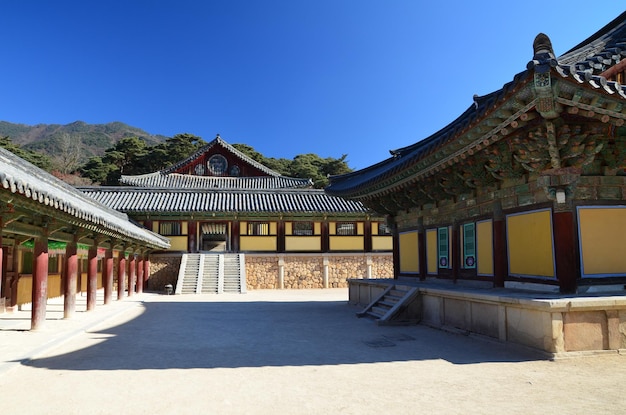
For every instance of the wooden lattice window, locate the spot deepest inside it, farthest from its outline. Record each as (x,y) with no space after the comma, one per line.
(258,228)
(384,229)
(302,228)
(170,228)
(346,228)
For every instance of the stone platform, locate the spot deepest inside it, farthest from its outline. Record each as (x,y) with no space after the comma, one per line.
(560,325)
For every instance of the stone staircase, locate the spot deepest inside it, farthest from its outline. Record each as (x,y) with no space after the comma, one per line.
(396,305)
(211,274)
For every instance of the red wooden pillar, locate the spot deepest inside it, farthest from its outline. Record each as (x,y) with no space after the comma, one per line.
(121,274)
(565,251)
(396,252)
(325,237)
(107,275)
(140,274)
(92,277)
(421,251)
(40,283)
(70,280)
(192,230)
(3,287)
(455,255)
(280,236)
(500,262)
(234,238)
(132,267)
(146,270)
(367,234)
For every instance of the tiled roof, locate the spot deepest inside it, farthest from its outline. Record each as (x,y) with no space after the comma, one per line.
(151,200)
(188,181)
(581,65)
(218,141)
(23,179)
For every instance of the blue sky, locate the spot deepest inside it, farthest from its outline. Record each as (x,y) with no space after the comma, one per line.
(287,77)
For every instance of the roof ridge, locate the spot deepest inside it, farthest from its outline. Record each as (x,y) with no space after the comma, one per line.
(220,141)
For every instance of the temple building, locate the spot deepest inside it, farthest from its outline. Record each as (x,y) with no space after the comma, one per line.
(55,242)
(525,191)
(219,204)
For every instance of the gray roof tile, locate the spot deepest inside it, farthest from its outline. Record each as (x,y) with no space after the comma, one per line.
(24,179)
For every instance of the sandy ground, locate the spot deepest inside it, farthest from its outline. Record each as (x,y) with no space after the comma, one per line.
(282,352)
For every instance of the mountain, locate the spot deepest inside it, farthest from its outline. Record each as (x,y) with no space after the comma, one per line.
(54,139)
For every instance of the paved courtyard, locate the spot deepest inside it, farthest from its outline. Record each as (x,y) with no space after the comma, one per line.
(280,352)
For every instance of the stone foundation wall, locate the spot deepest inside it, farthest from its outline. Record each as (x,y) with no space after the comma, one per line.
(299,271)
(287,271)
(163,271)
(559,326)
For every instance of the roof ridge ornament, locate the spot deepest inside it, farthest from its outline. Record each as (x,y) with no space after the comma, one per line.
(543,55)
(542,63)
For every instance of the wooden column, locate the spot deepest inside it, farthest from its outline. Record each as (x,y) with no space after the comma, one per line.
(140,274)
(455,248)
(367,234)
(121,274)
(40,283)
(3,277)
(500,261)
(92,276)
(280,236)
(71,279)
(565,250)
(421,249)
(132,267)
(146,271)
(107,275)
(192,230)
(234,237)
(325,237)
(396,252)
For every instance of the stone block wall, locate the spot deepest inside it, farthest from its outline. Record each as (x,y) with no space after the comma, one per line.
(163,271)
(261,272)
(300,271)
(288,271)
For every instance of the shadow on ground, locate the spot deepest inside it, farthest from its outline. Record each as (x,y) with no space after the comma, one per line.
(187,335)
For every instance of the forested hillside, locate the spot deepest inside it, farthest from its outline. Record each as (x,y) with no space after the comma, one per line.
(87,140)
(80,153)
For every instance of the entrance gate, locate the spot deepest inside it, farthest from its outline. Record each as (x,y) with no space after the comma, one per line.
(214,237)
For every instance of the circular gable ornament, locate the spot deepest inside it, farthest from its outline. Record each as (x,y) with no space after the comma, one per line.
(217,164)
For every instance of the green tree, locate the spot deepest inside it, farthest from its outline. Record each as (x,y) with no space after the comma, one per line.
(96,170)
(40,160)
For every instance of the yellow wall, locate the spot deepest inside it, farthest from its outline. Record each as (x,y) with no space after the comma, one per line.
(484,248)
(360,229)
(257,243)
(382,243)
(303,243)
(409,253)
(25,288)
(431,252)
(178,243)
(602,235)
(346,243)
(529,241)
(317,228)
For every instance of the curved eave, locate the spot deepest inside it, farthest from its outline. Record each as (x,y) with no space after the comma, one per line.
(407,162)
(26,181)
(186,201)
(188,181)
